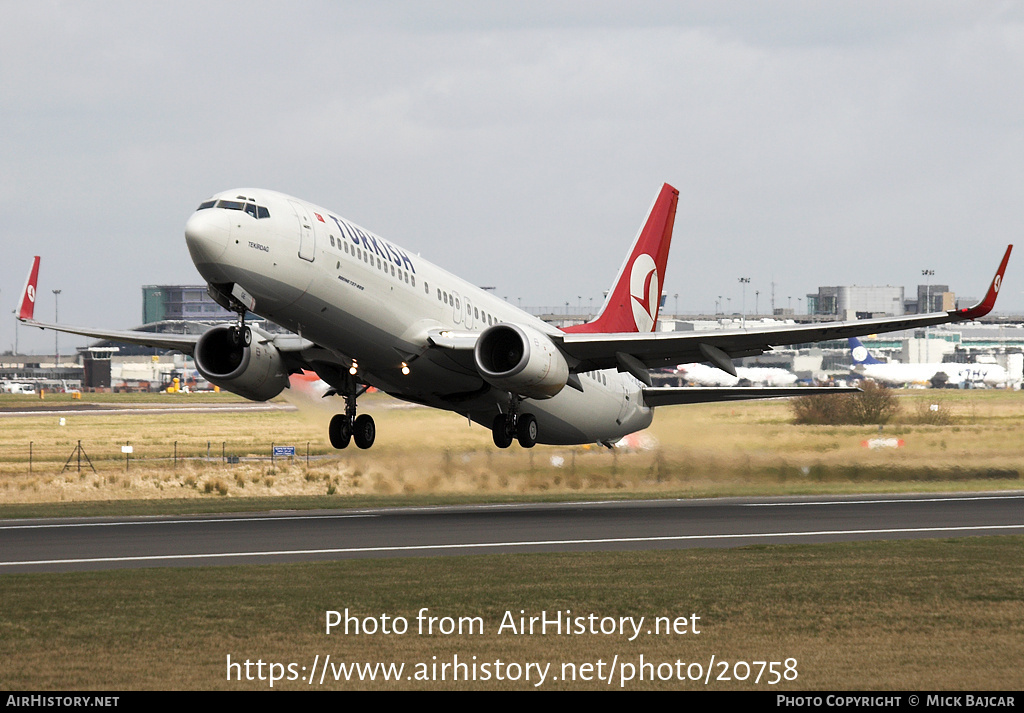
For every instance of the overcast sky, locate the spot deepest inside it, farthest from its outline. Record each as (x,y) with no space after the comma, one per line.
(518,144)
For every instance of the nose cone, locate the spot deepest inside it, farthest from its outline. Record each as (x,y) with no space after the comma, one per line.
(206,234)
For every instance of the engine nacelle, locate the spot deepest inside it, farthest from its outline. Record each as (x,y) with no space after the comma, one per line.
(520,359)
(242,366)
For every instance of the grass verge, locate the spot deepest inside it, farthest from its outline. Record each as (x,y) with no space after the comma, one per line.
(909,615)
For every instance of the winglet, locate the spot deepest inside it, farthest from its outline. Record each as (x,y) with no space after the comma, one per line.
(632,304)
(986,305)
(28,295)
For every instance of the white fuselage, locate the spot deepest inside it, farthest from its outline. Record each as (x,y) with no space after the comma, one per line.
(704,375)
(365,300)
(896,374)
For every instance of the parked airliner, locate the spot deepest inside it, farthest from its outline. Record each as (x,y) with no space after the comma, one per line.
(364,312)
(898,374)
(704,375)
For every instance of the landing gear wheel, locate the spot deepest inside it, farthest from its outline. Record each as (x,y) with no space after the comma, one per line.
(240,336)
(364,431)
(527,431)
(501,431)
(340,431)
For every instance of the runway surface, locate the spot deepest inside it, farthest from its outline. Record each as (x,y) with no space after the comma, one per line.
(60,545)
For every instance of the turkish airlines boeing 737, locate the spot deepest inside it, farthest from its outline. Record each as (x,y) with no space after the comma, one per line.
(363,312)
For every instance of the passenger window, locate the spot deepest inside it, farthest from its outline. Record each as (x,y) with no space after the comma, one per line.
(332,242)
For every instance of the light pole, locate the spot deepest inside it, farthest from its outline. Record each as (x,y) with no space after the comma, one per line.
(928,307)
(56,320)
(743,310)
(927,291)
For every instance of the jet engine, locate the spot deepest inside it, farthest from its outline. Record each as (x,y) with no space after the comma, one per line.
(239,362)
(520,359)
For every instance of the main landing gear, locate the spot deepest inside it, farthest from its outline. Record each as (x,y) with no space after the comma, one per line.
(515,426)
(346,427)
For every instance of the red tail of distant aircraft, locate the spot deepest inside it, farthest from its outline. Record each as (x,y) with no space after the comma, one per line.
(28,295)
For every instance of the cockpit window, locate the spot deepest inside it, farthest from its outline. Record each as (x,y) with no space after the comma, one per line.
(256,211)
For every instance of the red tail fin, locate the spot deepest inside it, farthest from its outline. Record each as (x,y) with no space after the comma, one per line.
(632,305)
(28,295)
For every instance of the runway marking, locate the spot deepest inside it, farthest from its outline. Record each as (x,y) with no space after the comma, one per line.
(185,522)
(900,501)
(480,545)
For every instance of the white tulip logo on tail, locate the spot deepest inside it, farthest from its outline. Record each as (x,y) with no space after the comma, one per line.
(644,290)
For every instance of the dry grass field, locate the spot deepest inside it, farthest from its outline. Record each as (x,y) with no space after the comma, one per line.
(710,449)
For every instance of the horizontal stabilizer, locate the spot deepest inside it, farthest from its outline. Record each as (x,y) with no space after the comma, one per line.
(677,395)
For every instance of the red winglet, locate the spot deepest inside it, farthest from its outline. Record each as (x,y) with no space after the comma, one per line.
(986,305)
(28,295)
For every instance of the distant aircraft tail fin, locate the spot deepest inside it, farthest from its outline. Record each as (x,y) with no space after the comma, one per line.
(860,353)
(28,295)
(633,303)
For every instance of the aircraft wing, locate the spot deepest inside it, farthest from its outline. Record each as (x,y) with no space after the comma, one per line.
(679,395)
(636,352)
(185,343)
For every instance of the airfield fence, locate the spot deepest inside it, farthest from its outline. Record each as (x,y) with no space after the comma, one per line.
(76,455)
(83,456)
